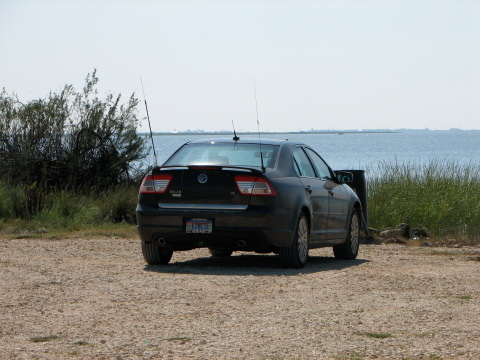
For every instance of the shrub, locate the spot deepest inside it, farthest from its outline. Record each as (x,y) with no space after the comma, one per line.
(15,201)
(69,141)
(119,205)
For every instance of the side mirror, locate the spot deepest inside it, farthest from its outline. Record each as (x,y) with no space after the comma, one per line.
(344,177)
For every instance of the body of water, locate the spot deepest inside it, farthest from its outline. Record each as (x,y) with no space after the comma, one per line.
(364,150)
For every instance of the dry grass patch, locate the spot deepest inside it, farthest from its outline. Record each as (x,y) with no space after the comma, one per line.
(377,335)
(39,339)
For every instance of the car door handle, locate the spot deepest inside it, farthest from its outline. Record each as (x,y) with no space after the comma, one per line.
(309,189)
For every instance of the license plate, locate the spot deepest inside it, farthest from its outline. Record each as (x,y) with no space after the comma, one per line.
(199,226)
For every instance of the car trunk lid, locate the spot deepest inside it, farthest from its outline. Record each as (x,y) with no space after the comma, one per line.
(204,187)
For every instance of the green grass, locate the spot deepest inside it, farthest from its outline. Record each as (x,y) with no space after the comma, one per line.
(377,335)
(442,196)
(60,212)
(39,339)
(182,339)
(80,342)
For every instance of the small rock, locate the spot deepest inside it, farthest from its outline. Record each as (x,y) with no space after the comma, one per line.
(405,229)
(391,233)
(421,232)
(21,231)
(427,243)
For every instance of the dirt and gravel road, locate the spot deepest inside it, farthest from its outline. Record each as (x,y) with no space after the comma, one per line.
(96,299)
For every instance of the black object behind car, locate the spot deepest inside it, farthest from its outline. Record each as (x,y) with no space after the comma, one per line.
(228,195)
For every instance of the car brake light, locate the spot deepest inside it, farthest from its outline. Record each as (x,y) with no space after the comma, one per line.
(155,184)
(253,185)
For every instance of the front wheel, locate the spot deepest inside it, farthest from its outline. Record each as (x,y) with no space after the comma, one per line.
(296,255)
(349,249)
(155,254)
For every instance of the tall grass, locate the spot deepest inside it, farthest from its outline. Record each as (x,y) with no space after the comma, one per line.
(64,210)
(442,196)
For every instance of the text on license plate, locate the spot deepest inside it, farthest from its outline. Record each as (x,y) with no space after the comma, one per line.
(199,226)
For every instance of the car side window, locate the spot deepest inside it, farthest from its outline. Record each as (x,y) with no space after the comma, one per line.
(301,164)
(322,168)
(296,168)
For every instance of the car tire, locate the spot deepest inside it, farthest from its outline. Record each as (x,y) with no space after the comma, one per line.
(349,249)
(296,255)
(155,254)
(220,252)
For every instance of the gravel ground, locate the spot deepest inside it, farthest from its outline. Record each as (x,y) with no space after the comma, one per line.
(96,299)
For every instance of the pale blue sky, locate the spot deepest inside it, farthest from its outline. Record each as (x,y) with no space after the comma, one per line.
(317,64)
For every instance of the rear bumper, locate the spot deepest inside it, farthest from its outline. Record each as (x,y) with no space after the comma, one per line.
(258,228)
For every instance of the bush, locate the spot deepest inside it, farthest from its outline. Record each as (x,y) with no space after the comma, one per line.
(119,205)
(15,201)
(69,141)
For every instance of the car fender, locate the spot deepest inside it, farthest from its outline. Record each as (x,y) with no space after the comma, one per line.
(294,195)
(301,205)
(354,204)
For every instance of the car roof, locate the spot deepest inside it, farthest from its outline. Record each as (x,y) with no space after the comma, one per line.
(263,141)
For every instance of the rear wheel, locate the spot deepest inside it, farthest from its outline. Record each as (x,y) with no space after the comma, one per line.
(349,249)
(220,252)
(296,255)
(155,254)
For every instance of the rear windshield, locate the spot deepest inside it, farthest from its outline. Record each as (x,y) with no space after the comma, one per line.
(224,154)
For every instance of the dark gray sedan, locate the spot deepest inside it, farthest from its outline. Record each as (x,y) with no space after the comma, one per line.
(248,195)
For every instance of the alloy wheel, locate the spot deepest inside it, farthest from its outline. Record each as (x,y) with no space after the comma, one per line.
(354,233)
(302,239)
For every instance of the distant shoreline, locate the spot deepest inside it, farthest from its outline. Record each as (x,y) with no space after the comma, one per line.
(319,132)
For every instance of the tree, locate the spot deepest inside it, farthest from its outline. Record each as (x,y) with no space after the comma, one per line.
(70,140)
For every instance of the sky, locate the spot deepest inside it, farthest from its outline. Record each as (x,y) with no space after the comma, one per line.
(338,64)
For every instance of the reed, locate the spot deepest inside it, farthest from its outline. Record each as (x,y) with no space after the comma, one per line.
(65,211)
(442,196)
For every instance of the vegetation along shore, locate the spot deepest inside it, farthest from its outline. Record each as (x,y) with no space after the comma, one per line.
(73,162)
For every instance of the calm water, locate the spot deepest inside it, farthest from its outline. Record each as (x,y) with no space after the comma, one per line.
(365,150)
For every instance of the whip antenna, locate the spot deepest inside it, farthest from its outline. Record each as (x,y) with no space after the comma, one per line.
(258,125)
(149,125)
(235,137)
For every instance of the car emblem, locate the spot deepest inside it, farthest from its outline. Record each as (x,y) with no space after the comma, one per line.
(202,178)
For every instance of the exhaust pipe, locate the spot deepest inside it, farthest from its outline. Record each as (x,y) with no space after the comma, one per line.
(241,243)
(162,242)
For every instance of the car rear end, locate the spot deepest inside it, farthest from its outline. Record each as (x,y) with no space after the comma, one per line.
(217,196)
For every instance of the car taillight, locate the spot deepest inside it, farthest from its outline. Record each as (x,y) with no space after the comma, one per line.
(253,185)
(155,184)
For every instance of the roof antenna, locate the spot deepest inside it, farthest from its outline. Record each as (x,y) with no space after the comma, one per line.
(258,125)
(149,125)
(235,137)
